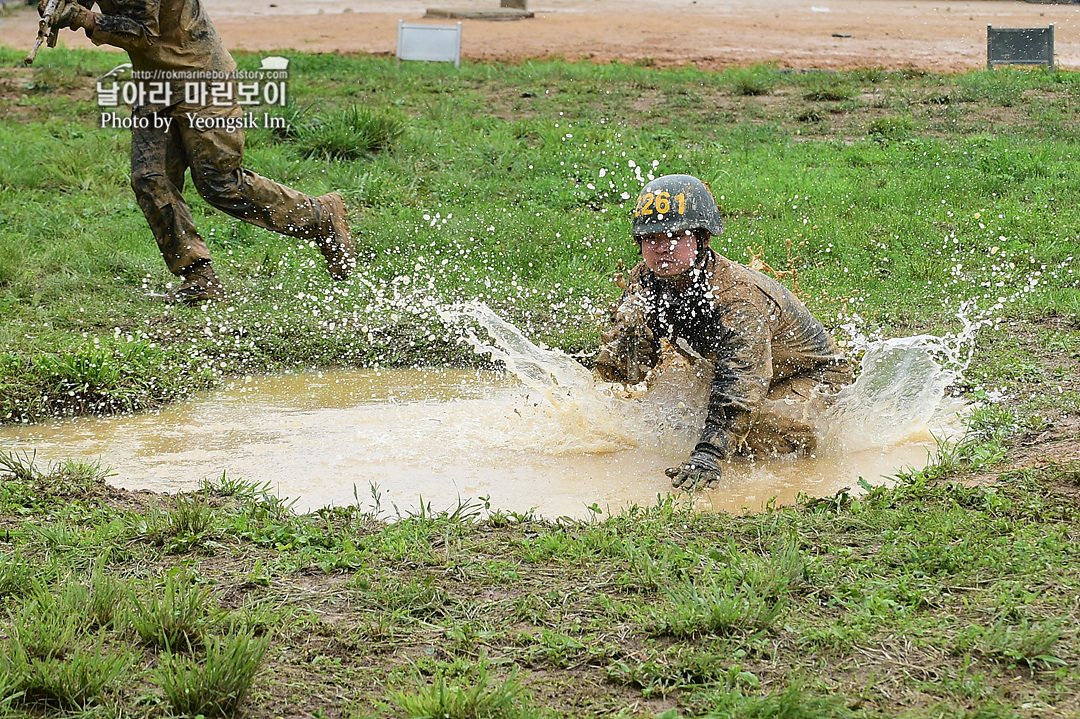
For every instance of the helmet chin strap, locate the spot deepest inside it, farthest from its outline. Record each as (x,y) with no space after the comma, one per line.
(702,245)
(702,256)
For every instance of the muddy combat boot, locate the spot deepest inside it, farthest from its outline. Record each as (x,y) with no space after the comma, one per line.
(335,239)
(200,285)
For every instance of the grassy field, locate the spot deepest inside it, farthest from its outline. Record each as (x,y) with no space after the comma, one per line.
(905,202)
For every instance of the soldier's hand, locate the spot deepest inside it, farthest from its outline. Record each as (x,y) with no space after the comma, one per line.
(74,16)
(627,355)
(701,471)
(607,367)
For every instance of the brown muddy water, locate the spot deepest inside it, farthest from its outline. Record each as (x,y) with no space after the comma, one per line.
(441,435)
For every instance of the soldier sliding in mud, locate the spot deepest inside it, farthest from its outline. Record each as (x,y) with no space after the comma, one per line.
(765,345)
(175,38)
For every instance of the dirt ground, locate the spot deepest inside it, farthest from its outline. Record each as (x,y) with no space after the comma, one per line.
(838,34)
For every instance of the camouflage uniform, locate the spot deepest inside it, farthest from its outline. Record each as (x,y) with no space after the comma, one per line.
(177,35)
(765,345)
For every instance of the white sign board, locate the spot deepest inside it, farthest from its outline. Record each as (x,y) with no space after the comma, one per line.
(433,43)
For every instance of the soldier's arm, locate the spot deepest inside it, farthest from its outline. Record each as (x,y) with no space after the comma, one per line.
(133,27)
(741,381)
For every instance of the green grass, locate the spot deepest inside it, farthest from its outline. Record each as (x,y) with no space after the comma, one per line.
(828,86)
(48,625)
(80,681)
(174,614)
(349,134)
(726,592)
(218,684)
(16,574)
(758,80)
(108,599)
(192,516)
(480,697)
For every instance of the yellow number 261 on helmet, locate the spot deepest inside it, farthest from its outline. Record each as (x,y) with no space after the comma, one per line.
(674,203)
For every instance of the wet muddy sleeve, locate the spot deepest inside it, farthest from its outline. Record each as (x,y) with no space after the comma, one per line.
(742,378)
(135,27)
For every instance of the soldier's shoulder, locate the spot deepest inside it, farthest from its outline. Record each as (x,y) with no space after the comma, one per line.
(733,271)
(734,282)
(729,275)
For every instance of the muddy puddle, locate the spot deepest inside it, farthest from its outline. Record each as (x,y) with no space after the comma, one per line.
(440,435)
(542,435)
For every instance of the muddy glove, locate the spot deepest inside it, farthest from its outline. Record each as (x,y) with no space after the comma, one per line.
(627,355)
(702,470)
(76,17)
(68,14)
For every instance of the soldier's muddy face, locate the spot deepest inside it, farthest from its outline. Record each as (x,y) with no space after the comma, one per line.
(669,255)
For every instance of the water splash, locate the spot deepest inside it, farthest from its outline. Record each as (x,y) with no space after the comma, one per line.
(583,410)
(902,389)
(901,393)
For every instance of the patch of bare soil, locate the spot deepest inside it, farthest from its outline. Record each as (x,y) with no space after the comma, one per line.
(13,84)
(1045,398)
(18,85)
(927,35)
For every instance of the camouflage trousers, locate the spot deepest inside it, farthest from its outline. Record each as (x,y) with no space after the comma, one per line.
(159,158)
(789,418)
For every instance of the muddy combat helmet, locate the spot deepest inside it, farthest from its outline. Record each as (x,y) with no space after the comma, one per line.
(674,203)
